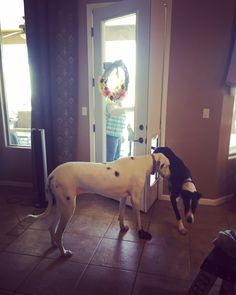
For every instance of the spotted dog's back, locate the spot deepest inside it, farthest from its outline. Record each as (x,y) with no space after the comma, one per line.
(112,178)
(121,178)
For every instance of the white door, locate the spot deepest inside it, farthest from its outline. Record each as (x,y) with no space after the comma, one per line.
(136,32)
(121,33)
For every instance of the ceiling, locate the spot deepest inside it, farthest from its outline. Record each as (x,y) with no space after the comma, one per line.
(11,13)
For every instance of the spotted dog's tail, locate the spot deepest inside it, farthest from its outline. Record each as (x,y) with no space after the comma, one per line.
(49,195)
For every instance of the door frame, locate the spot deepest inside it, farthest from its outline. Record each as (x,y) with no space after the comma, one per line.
(165,73)
(160,33)
(90,8)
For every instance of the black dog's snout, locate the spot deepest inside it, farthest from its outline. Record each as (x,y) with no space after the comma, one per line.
(189,219)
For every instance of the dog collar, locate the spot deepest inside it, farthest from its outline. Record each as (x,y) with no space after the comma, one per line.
(154,164)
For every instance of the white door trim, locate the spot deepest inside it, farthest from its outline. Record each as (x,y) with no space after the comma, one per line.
(90,8)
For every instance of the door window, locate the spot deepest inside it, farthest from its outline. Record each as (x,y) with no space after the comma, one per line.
(120,44)
(232,144)
(121,33)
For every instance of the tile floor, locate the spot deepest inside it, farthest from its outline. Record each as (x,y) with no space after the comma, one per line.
(104,261)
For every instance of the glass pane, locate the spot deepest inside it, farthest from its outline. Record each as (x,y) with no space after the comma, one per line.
(232,145)
(17,91)
(120,44)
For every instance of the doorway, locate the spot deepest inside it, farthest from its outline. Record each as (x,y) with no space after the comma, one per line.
(137,33)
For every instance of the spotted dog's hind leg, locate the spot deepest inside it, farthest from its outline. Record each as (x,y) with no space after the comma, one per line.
(53,227)
(66,208)
(122,214)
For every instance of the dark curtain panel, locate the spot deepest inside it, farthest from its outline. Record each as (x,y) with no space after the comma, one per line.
(52,41)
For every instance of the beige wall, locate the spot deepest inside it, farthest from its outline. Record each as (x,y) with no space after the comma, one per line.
(201,34)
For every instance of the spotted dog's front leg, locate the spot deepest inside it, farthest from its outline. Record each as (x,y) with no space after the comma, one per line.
(135,201)
(181,227)
(122,214)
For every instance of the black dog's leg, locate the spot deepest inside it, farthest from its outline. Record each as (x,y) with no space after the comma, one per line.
(181,227)
(175,207)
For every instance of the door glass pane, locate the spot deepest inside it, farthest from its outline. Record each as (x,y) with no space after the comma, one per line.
(15,72)
(119,37)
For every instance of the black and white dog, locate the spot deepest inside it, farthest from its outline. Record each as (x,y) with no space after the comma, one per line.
(181,185)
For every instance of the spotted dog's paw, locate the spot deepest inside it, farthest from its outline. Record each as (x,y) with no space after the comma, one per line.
(144,235)
(67,253)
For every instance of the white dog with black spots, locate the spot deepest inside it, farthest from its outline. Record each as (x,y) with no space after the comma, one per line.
(121,178)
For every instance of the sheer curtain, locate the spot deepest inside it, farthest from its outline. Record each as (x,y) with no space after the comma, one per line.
(52,41)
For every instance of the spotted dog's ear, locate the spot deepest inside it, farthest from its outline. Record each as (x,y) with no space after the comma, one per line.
(157,166)
(161,162)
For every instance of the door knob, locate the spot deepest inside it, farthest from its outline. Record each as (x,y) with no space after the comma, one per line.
(140,140)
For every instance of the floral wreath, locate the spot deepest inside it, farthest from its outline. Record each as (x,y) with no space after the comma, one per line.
(120,90)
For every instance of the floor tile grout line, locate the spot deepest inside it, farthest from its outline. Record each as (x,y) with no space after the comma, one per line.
(102,238)
(29,274)
(137,271)
(112,267)
(94,251)
(141,254)
(5,247)
(87,265)
(113,218)
(91,258)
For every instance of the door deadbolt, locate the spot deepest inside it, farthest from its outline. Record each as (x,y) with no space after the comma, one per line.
(140,140)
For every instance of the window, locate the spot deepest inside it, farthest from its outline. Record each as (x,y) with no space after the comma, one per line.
(16,89)
(232,144)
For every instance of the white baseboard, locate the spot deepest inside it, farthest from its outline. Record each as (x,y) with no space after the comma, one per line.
(205,201)
(16,184)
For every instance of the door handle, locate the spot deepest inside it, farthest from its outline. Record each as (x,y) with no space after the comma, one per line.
(140,140)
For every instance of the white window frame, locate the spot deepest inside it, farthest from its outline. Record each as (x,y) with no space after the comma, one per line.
(232,150)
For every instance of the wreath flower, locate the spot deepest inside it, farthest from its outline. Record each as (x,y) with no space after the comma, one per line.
(120,90)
